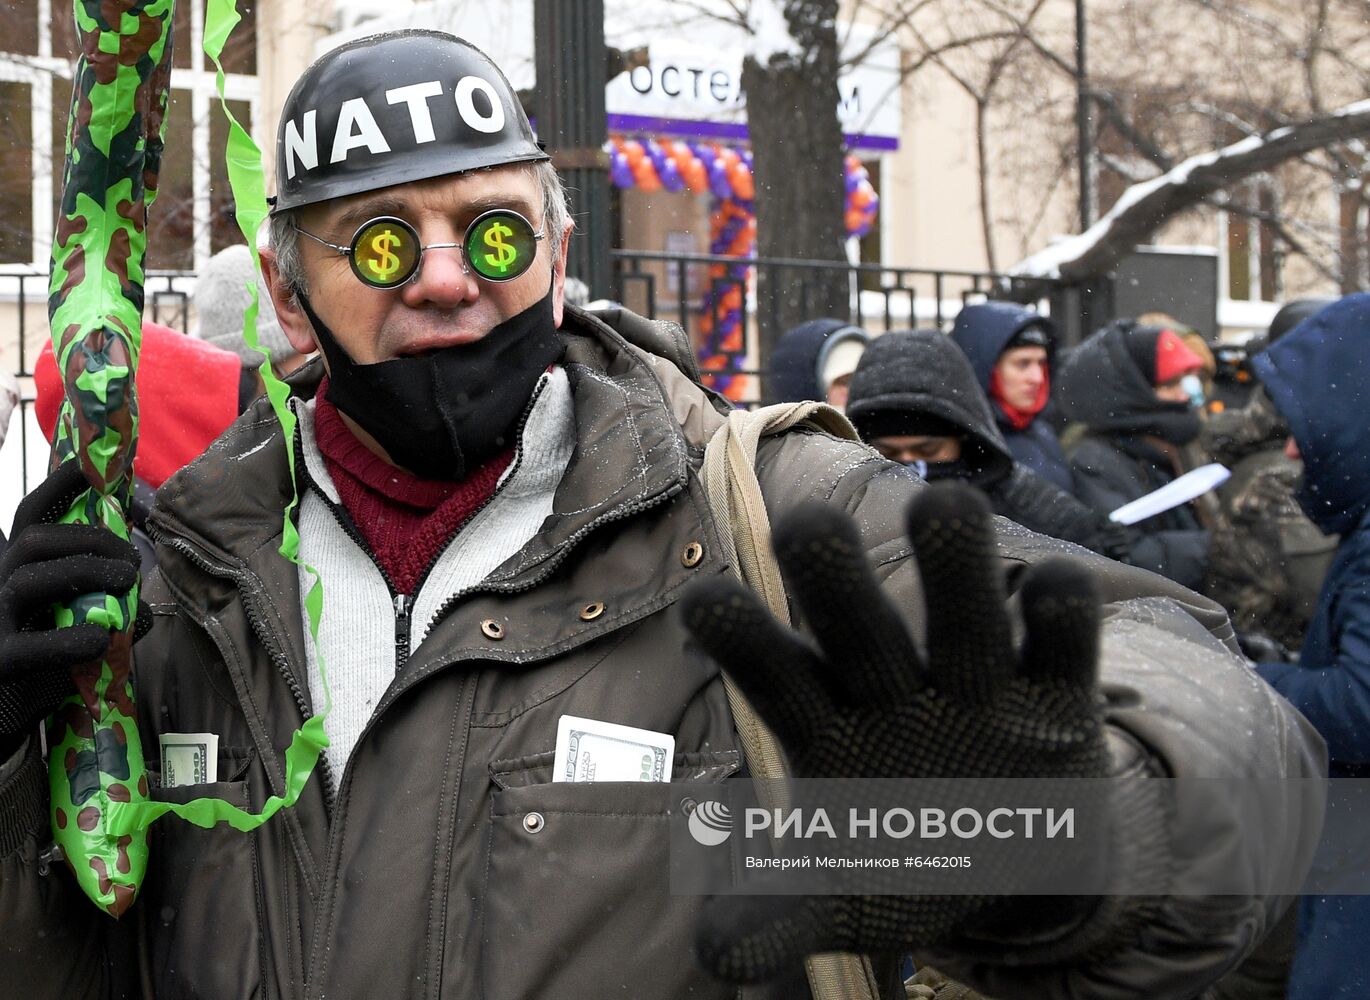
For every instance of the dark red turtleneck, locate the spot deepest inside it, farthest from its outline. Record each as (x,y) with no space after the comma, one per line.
(404,519)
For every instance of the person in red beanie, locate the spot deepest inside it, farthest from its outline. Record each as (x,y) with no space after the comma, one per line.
(1130,386)
(187,396)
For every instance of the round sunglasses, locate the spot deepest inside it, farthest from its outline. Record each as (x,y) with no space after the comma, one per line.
(385,252)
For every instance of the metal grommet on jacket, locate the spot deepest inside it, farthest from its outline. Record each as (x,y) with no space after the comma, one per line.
(692,554)
(592,611)
(534,822)
(492,629)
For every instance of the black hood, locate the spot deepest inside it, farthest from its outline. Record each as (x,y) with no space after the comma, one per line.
(921,372)
(1101,385)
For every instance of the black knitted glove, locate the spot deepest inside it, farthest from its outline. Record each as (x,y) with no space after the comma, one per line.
(1114,540)
(46,564)
(865,703)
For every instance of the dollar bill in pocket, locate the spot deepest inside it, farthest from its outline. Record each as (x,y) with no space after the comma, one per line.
(189,759)
(590,750)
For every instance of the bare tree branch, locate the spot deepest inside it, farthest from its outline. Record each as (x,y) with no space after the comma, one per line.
(1144,207)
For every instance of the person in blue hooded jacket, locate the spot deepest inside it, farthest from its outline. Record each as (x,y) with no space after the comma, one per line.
(1318,377)
(1011,349)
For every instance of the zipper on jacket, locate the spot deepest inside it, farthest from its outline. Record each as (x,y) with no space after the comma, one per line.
(403,603)
(402,624)
(258,626)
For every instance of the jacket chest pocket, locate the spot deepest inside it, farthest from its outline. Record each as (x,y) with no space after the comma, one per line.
(201,896)
(577,898)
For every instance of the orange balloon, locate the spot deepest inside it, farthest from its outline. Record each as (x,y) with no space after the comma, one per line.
(645,175)
(854,220)
(741,179)
(696,177)
(634,151)
(680,153)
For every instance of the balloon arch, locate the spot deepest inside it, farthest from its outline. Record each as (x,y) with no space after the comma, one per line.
(725,174)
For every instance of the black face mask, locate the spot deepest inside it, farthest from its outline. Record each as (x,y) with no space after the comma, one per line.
(443,414)
(957,468)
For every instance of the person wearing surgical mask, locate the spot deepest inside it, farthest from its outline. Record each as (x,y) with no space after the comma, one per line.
(1133,389)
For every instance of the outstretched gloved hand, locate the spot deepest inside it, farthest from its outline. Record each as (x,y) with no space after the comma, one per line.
(862,701)
(46,564)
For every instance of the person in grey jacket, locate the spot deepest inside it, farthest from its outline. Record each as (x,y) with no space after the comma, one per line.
(501,496)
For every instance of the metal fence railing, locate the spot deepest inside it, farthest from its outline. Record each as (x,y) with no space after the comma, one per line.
(701,291)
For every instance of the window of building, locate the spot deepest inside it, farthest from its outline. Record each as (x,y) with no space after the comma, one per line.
(872,244)
(192,216)
(1353,238)
(1250,248)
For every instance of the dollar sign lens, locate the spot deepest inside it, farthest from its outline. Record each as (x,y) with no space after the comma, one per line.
(385,265)
(385,252)
(500,245)
(504,254)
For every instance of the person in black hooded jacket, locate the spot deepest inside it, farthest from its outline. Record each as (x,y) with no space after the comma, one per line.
(1124,384)
(914,398)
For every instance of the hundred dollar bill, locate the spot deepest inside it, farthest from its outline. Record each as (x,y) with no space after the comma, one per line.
(189,759)
(588,750)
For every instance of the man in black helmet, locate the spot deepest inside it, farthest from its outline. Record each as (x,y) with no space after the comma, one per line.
(501,496)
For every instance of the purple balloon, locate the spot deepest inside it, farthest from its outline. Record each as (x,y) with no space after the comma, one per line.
(619,171)
(718,181)
(655,152)
(670,175)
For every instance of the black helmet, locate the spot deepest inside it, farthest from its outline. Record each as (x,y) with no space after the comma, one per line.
(392,108)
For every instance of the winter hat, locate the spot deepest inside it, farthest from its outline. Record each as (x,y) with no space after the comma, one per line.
(1174,358)
(221,298)
(840,355)
(905,423)
(1035,335)
(1160,355)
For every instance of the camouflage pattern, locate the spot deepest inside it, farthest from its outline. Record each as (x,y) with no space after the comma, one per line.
(1267,559)
(95,301)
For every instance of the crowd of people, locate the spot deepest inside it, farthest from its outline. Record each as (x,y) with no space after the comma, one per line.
(502,494)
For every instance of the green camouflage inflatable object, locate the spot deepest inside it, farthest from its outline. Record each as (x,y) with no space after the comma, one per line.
(95,305)
(98,783)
